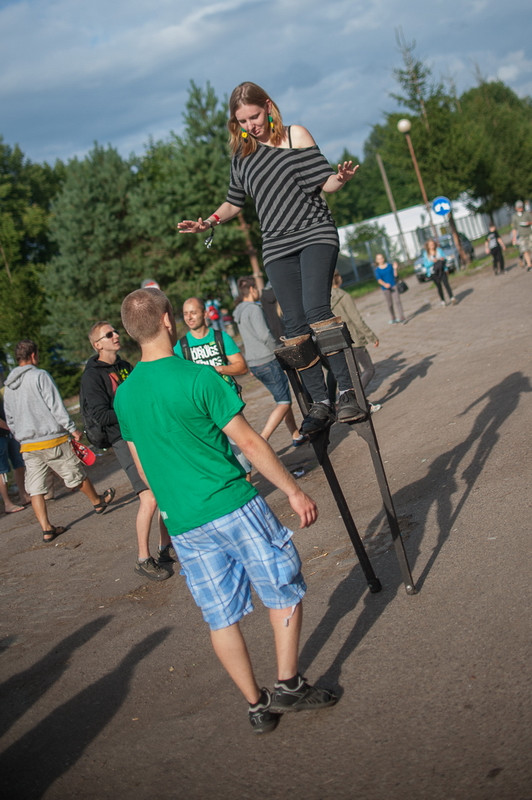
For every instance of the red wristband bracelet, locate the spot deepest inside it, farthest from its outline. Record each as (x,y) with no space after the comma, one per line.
(216,217)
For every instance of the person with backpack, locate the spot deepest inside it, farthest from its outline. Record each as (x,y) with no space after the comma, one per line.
(103,373)
(205,345)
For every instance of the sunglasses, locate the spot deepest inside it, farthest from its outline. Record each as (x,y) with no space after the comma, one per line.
(108,335)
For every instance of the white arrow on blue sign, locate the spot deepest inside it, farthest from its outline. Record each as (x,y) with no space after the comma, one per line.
(441,205)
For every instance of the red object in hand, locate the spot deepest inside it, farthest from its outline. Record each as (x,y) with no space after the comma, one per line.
(84,453)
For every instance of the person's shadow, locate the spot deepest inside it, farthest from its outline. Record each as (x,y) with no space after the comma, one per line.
(407,377)
(437,487)
(30,765)
(19,693)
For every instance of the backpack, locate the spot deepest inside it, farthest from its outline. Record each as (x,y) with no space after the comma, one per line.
(93,430)
(219,339)
(212,312)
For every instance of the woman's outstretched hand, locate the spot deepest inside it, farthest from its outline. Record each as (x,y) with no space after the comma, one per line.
(192,226)
(346,171)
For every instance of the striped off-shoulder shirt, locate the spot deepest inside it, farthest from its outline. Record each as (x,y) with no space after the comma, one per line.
(285,185)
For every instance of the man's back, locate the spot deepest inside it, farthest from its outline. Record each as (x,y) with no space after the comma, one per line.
(33,405)
(174,411)
(256,335)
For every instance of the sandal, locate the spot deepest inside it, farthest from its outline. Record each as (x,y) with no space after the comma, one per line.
(105,500)
(53,533)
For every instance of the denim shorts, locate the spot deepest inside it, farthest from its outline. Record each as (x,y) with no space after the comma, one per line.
(222,559)
(9,451)
(273,377)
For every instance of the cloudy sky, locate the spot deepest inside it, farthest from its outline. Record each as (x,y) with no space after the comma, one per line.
(118,71)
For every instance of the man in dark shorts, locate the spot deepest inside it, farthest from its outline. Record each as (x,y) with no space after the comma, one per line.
(176,417)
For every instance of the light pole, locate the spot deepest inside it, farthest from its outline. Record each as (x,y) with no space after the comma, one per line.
(392,206)
(403,126)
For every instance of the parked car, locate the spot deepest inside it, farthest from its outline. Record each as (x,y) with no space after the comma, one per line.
(450,252)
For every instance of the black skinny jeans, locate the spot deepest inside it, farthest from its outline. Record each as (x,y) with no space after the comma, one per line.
(302,284)
(440,278)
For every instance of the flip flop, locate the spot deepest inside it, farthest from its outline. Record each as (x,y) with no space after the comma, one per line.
(105,501)
(14,510)
(53,533)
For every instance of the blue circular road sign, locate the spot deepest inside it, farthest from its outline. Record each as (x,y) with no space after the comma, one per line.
(441,206)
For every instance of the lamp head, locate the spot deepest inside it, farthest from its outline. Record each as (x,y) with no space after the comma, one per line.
(404,125)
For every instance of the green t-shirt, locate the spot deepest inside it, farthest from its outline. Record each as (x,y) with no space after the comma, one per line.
(173,411)
(206,351)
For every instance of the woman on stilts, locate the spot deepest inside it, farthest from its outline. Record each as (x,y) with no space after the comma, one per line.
(283,171)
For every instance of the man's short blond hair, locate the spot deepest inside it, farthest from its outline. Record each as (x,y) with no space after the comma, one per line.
(94,333)
(142,312)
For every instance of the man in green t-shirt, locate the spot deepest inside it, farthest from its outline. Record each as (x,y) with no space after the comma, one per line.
(203,345)
(176,417)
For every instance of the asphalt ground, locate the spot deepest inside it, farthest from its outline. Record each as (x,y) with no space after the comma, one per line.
(110,689)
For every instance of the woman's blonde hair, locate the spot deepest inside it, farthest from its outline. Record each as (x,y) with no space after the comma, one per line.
(249,94)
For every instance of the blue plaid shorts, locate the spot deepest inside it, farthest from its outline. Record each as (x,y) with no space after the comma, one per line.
(222,559)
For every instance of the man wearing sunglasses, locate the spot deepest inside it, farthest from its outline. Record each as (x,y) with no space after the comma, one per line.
(103,373)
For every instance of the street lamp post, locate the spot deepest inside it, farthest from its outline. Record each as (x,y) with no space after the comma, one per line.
(403,126)
(392,206)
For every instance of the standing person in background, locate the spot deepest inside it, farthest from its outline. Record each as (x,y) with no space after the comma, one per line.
(282,170)
(494,246)
(436,268)
(386,275)
(213,313)
(260,356)
(208,346)
(344,306)
(103,373)
(522,233)
(36,415)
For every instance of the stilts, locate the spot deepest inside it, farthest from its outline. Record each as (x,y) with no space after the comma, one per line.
(331,339)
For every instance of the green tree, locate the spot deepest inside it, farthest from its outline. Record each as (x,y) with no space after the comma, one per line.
(495,135)
(26,194)
(92,271)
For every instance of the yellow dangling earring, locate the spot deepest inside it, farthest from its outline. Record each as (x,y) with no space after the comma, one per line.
(244,133)
(270,120)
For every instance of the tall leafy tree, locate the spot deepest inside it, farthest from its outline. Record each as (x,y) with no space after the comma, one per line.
(92,272)
(495,134)
(26,193)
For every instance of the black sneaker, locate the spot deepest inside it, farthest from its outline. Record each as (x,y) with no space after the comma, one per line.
(347,408)
(319,418)
(166,555)
(303,698)
(260,716)
(149,569)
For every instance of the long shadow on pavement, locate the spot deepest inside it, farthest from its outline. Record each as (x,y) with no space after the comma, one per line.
(501,401)
(19,693)
(41,756)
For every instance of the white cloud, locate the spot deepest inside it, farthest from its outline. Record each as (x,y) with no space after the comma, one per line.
(73,72)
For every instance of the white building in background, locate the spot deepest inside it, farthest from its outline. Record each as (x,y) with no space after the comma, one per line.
(416,228)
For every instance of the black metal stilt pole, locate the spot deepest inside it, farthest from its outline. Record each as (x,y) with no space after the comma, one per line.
(331,340)
(320,444)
